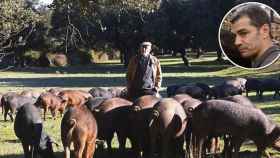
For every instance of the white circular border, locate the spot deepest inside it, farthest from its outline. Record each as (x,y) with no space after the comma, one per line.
(219,35)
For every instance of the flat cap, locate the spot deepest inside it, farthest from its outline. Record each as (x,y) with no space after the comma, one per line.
(146,43)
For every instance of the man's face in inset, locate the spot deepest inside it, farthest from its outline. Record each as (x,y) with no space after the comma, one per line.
(248,37)
(145,49)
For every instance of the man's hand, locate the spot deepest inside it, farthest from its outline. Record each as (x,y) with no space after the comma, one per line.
(156,89)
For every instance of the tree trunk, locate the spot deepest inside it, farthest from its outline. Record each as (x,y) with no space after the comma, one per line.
(184,58)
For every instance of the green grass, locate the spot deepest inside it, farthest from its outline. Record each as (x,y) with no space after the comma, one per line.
(205,70)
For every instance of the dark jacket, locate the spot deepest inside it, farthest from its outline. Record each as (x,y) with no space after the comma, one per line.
(270,55)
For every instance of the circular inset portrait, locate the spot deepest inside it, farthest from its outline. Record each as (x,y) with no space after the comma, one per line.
(249,35)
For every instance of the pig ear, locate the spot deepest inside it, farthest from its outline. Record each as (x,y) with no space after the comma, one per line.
(136,108)
(38,103)
(59,96)
(189,112)
(63,99)
(87,99)
(190,109)
(97,110)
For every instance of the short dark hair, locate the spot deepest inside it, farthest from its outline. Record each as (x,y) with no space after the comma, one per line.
(257,15)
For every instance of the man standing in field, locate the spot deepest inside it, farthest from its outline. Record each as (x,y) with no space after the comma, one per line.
(144,73)
(252,28)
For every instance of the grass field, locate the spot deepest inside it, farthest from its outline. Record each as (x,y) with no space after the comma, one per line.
(109,74)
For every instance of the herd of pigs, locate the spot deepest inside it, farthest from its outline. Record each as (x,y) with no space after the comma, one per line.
(194,114)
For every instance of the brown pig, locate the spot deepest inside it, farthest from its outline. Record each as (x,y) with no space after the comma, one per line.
(79,126)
